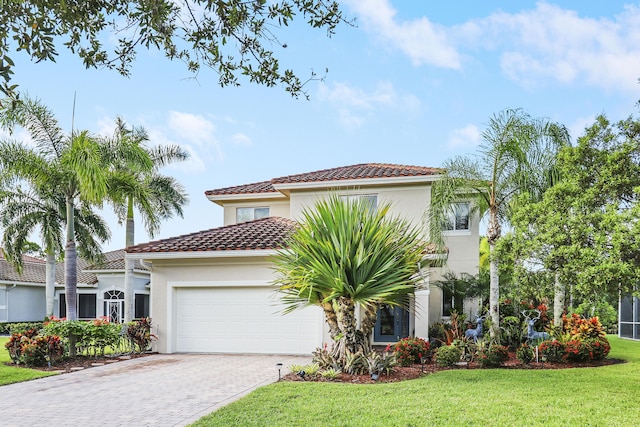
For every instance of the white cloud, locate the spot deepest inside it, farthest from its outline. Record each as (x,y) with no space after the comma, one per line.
(422,40)
(468,136)
(577,128)
(534,46)
(193,128)
(355,105)
(241,139)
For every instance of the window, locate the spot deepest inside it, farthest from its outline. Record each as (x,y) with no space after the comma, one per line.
(447,301)
(249,214)
(368,199)
(86,306)
(458,218)
(141,306)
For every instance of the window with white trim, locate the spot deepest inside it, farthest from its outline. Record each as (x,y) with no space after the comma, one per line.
(368,199)
(458,217)
(249,214)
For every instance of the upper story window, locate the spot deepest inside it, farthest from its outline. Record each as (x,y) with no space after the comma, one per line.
(249,214)
(458,217)
(370,200)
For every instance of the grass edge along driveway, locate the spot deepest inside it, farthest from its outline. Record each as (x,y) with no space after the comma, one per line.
(14,374)
(602,396)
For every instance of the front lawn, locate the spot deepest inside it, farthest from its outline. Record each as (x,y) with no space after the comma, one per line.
(603,396)
(13,374)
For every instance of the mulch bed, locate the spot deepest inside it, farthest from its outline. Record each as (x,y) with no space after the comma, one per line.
(79,363)
(400,373)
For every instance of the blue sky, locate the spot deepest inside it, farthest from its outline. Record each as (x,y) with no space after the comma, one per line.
(413,83)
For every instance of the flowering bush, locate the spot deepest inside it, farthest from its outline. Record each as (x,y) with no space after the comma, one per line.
(598,348)
(447,355)
(552,351)
(410,350)
(577,350)
(493,356)
(525,354)
(34,350)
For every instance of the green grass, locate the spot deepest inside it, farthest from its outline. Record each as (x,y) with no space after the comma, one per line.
(13,374)
(602,396)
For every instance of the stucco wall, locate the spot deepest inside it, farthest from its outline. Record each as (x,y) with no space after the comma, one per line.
(25,303)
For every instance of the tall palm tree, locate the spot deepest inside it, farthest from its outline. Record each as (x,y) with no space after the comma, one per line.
(41,210)
(136,186)
(516,157)
(73,165)
(344,256)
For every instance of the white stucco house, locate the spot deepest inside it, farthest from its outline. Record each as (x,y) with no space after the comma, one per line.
(212,290)
(100,290)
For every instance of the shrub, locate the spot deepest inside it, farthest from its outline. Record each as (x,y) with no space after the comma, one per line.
(577,350)
(355,363)
(552,351)
(494,356)
(34,350)
(139,332)
(598,348)
(581,328)
(525,354)
(447,355)
(410,350)
(324,358)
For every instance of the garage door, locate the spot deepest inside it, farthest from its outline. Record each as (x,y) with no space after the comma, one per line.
(242,320)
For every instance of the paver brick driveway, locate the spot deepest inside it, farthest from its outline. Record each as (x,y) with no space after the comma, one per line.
(157,390)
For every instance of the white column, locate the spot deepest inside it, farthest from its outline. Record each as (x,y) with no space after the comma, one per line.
(422,313)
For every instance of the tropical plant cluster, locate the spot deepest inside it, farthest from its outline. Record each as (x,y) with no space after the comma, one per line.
(11,327)
(358,363)
(52,343)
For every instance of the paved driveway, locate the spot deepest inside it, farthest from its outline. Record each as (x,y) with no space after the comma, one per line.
(157,390)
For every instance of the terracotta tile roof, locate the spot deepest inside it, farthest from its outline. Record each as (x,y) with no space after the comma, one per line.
(34,269)
(361,171)
(266,233)
(257,187)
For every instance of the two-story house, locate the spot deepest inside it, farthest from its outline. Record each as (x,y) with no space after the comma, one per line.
(212,291)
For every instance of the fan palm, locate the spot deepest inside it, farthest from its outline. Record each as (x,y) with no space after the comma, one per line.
(516,157)
(40,210)
(155,196)
(71,165)
(344,255)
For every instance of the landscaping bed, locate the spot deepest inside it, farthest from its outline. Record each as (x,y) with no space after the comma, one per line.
(79,363)
(403,373)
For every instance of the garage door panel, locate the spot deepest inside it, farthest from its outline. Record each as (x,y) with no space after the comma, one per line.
(242,320)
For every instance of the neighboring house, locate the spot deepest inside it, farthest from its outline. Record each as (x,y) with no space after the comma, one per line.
(22,295)
(212,291)
(100,290)
(629,317)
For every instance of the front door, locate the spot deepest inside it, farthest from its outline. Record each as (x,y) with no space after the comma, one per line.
(114,306)
(392,324)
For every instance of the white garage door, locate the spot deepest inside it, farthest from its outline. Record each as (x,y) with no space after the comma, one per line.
(242,320)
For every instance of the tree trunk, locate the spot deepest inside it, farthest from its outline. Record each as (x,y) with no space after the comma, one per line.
(558,300)
(50,286)
(350,339)
(493,233)
(332,320)
(128,266)
(368,323)
(70,264)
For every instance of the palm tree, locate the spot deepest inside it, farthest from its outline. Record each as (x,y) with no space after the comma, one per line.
(23,213)
(517,157)
(134,185)
(72,165)
(344,256)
